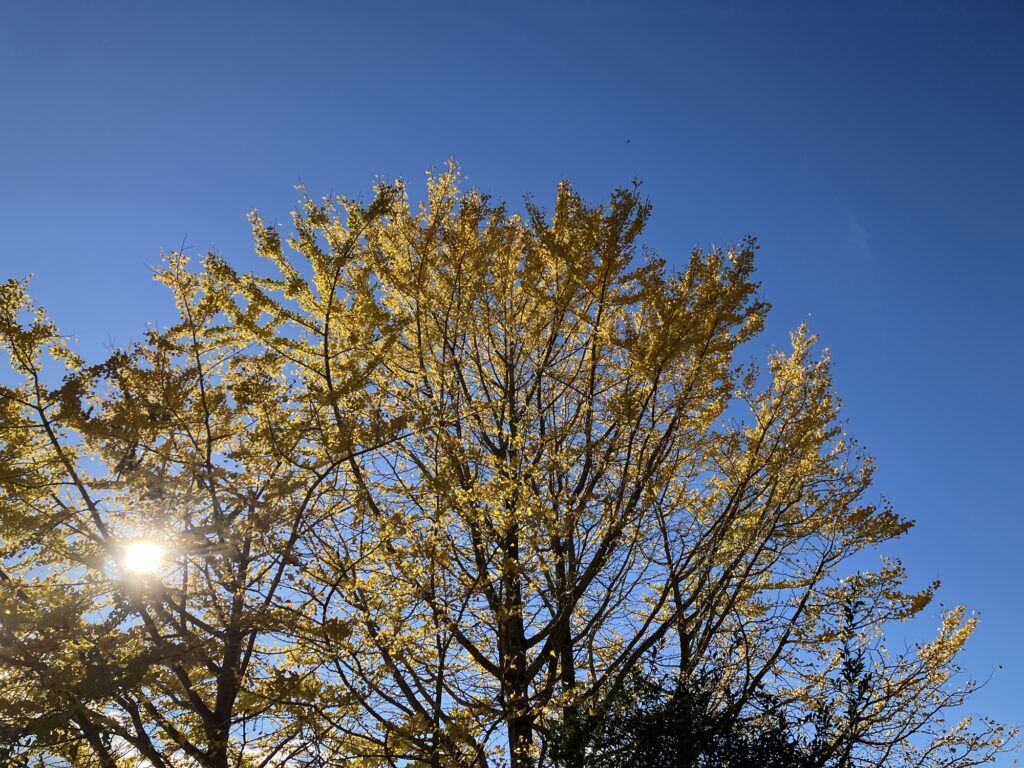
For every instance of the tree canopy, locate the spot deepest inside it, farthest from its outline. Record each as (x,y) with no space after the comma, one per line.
(440,481)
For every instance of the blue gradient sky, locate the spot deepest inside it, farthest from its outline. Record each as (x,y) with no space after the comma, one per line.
(874,148)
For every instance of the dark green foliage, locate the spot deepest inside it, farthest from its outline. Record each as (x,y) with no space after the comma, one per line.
(697,722)
(644,724)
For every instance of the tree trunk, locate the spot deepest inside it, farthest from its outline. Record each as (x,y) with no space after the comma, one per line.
(515,681)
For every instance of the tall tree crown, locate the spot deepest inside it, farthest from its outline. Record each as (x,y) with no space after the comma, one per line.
(445,478)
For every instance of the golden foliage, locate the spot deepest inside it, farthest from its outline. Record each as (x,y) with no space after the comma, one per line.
(446,473)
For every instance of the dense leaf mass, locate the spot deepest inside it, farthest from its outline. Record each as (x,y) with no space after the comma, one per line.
(440,480)
(642,724)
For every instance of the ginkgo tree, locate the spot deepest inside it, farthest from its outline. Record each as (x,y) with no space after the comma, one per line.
(436,484)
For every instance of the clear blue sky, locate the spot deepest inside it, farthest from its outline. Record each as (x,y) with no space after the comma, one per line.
(875,148)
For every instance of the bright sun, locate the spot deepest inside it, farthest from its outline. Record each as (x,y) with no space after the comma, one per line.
(143,557)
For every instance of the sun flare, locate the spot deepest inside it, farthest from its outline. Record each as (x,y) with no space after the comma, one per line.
(143,557)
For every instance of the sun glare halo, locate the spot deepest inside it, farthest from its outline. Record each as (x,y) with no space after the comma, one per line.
(143,557)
